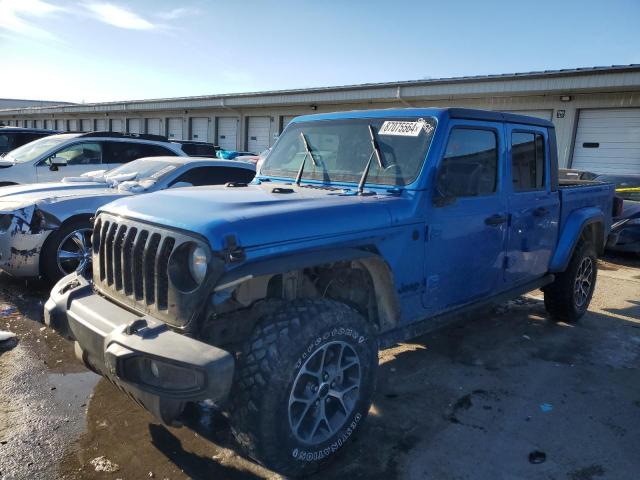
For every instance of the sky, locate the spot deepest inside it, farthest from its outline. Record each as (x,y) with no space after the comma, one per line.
(96,50)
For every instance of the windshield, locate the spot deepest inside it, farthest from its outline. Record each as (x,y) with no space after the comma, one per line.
(621,181)
(341,149)
(33,150)
(144,169)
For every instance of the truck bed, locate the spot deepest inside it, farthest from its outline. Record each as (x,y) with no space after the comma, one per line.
(586,194)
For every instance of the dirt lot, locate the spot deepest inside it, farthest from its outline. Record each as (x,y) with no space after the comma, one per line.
(508,395)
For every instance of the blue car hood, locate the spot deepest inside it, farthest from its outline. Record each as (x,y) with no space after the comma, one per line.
(255,214)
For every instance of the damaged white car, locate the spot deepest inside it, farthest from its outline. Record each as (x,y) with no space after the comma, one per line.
(45,228)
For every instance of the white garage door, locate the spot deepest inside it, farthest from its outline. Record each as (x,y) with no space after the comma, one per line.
(73,125)
(135,125)
(116,125)
(544,114)
(60,125)
(286,120)
(85,125)
(48,124)
(174,129)
(258,134)
(227,132)
(101,125)
(153,126)
(200,129)
(608,141)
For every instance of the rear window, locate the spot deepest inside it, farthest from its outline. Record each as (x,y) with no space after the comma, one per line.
(199,150)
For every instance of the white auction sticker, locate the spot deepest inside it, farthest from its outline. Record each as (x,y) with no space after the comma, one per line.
(403,129)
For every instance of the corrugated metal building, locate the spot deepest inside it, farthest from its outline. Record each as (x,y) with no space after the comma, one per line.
(596,111)
(18,103)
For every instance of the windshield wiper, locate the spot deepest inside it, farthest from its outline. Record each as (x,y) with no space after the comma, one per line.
(307,154)
(376,152)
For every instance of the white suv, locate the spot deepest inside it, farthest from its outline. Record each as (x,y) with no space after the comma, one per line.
(52,158)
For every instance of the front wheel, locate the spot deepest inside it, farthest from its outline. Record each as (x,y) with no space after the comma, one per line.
(568,297)
(304,385)
(67,250)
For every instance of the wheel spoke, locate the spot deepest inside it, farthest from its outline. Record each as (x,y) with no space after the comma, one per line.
(303,415)
(67,256)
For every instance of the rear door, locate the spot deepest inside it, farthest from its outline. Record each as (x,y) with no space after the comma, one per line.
(468,221)
(533,207)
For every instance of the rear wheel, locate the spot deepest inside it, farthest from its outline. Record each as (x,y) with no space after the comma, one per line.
(568,297)
(304,385)
(67,250)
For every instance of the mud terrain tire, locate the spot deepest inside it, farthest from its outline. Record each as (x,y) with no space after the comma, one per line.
(304,385)
(568,297)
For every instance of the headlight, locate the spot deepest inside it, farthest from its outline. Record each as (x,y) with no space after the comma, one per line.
(198,264)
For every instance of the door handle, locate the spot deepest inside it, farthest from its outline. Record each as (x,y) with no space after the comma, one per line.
(540,212)
(495,220)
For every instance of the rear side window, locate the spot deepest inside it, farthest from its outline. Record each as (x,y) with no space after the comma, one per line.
(215,176)
(527,161)
(125,152)
(198,150)
(470,164)
(6,143)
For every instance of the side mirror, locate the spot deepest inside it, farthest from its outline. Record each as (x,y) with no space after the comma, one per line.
(57,162)
(441,197)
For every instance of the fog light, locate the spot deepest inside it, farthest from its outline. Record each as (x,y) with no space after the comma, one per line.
(160,375)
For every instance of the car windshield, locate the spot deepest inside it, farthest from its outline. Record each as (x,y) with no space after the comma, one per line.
(33,150)
(341,149)
(144,169)
(621,181)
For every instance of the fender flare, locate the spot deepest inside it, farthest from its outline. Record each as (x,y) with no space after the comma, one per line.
(387,302)
(576,223)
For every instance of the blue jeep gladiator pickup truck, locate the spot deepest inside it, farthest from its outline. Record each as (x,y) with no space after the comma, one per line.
(361,230)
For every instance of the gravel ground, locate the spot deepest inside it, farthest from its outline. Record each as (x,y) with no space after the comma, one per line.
(509,394)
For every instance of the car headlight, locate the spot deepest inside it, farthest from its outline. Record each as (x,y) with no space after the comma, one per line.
(198,263)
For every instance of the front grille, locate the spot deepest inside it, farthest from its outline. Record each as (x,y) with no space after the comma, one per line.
(131,263)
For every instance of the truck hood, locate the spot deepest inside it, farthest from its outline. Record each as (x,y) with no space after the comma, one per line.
(257,214)
(19,196)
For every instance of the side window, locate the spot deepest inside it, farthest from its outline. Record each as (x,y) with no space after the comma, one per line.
(470,164)
(215,176)
(88,153)
(198,150)
(6,143)
(527,161)
(125,152)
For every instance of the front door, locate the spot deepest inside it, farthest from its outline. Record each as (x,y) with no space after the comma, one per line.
(73,160)
(468,218)
(533,206)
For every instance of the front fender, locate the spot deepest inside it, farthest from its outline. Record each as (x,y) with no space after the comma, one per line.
(573,227)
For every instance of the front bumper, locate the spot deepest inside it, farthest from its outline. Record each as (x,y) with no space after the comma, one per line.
(110,338)
(20,250)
